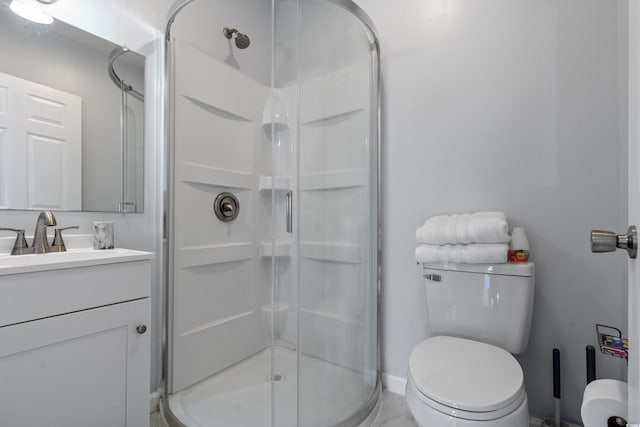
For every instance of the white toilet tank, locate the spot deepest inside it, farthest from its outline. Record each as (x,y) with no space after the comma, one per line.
(487,303)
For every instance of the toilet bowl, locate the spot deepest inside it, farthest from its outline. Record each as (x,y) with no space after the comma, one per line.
(460,382)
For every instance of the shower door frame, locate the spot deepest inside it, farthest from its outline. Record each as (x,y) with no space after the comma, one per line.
(366,411)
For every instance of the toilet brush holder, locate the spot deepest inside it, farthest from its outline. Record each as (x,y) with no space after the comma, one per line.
(555,421)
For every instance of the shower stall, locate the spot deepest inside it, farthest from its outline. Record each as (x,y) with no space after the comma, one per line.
(272,214)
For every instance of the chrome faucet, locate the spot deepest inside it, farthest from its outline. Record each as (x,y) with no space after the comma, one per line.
(40,241)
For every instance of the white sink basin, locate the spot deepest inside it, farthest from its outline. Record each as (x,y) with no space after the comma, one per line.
(16,264)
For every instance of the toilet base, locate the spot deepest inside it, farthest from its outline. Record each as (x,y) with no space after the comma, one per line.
(425,416)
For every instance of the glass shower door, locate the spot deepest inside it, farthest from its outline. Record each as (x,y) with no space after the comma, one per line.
(281,113)
(337,195)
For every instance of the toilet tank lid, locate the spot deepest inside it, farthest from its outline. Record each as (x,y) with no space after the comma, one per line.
(508,269)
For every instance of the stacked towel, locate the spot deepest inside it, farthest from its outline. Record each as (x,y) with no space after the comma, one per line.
(482,253)
(480,227)
(479,238)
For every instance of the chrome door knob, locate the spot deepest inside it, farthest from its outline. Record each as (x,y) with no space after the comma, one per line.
(141,329)
(607,241)
(603,241)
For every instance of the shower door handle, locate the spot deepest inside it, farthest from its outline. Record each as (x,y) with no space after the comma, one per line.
(289,212)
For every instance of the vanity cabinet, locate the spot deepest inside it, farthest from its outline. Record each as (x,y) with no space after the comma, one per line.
(83,357)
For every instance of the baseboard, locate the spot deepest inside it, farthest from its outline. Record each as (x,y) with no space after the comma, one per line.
(154,402)
(535,422)
(394,384)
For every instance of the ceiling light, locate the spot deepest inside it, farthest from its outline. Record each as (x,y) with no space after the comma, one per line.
(30,12)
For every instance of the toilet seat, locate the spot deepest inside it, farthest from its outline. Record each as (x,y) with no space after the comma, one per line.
(466,379)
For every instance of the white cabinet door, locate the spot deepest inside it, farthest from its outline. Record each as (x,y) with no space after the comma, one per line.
(89,368)
(40,146)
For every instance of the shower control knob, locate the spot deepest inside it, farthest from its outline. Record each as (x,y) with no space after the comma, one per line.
(141,329)
(226,207)
(607,241)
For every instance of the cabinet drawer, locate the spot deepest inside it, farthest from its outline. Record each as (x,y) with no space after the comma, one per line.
(29,296)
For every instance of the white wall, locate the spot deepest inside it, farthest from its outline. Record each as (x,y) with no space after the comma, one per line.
(137,25)
(126,23)
(201,24)
(514,106)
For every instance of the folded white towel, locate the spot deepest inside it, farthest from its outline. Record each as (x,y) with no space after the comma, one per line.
(487,253)
(480,227)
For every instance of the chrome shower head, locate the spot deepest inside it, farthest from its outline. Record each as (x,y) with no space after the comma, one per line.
(242,40)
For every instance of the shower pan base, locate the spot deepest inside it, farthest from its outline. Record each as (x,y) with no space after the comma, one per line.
(249,394)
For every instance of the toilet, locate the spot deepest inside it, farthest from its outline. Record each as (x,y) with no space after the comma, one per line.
(465,374)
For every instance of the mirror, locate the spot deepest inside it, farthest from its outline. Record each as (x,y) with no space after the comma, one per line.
(71,119)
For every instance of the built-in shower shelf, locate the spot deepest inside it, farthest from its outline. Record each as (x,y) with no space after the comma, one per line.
(274,114)
(333,251)
(328,118)
(333,180)
(277,183)
(319,314)
(200,174)
(274,126)
(196,256)
(279,248)
(278,307)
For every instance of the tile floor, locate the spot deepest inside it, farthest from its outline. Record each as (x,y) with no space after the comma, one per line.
(394,413)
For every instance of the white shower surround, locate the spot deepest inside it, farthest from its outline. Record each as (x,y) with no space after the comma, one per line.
(228,278)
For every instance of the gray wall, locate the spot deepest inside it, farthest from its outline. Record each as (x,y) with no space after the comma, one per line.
(519,106)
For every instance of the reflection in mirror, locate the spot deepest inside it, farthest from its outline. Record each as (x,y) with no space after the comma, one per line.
(71,119)
(130,132)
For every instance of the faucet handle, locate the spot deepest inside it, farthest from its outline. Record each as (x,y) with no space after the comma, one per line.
(20,247)
(58,243)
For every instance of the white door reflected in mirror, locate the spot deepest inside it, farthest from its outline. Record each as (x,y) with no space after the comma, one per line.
(45,172)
